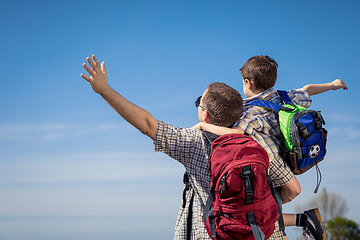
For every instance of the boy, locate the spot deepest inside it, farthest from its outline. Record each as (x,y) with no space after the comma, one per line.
(220,104)
(259,75)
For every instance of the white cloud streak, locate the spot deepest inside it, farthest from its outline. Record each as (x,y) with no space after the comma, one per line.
(85,167)
(51,131)
(344,134)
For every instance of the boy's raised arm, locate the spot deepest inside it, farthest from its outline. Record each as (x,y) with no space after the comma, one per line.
(136,116)
(314,89)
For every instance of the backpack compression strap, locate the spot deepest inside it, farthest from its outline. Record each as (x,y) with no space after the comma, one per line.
(247,174)
(249,189)
(258,234)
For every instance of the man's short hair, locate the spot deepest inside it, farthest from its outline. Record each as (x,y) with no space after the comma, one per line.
(261,70)
(223,103)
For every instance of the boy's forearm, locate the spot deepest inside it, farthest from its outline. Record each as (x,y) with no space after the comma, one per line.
(290,190)
(133,114)
(314,89)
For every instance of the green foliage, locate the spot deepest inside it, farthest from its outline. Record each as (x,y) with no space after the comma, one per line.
(343,229)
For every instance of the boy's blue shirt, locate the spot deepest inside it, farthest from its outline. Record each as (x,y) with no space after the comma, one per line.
(262,125)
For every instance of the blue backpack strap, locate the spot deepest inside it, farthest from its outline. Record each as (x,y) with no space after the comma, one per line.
(284,96)
(265,104)
(269,105)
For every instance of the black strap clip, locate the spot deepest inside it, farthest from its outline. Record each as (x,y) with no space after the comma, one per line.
(303,130)
(249,189)
(186,188)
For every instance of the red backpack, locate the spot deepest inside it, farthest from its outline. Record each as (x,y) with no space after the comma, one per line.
(240,205)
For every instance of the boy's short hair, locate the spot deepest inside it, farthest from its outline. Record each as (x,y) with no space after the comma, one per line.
(261,70)
(223,103)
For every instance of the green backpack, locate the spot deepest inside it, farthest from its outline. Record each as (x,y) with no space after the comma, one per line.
(303,132)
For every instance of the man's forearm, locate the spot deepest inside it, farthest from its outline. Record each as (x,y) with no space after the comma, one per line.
(136,116)
(133,114)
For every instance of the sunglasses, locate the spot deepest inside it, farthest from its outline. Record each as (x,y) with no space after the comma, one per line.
(197,103)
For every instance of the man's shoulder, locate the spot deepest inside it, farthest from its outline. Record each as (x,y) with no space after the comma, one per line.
(171,132)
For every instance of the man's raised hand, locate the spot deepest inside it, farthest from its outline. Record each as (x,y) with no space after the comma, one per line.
(98,75)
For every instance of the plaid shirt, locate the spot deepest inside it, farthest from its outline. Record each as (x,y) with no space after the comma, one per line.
(262,124)
(189,148)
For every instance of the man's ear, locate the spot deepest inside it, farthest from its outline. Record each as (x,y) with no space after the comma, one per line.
(206,117)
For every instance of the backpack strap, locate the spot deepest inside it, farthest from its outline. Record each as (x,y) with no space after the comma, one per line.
(247,174)
(189,218)
(208,209)
(249,189)
(284,96)
(268,105)
(257,232)
(186,187)
(208,212)
(277,196)
(190,213)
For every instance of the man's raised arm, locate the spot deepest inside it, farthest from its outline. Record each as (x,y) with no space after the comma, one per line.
(136,116)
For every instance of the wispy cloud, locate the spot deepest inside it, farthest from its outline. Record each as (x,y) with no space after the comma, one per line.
(86,167)
(342,117)
(51,131)
(344,134)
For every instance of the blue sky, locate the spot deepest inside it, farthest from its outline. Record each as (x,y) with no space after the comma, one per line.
(71,168)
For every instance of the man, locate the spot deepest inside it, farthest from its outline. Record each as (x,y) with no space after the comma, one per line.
(219,104)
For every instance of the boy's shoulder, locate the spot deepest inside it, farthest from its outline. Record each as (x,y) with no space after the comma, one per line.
(261,116)
(298,96)
(270,95)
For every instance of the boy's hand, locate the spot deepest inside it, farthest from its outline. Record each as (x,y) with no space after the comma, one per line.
(198,126)
(337,84)
(98,75)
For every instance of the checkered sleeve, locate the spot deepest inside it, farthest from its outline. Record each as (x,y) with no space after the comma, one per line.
(279,171)
(300,97)
(181,144)
(278,234)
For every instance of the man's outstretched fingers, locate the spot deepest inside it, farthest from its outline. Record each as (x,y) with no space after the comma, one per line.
(90,71)
(103,68)
(95,60)
(91,63)
(85,77)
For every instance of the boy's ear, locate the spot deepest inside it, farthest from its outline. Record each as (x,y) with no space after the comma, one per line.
(248,83)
